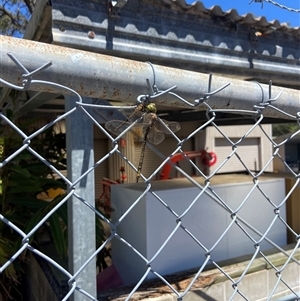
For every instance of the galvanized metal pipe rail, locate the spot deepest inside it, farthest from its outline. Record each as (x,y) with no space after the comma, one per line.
(106,77)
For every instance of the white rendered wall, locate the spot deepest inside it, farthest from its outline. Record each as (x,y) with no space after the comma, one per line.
(149,224)
(264,147)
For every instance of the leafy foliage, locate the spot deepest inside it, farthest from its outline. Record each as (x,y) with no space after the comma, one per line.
(282,129)
(23,177)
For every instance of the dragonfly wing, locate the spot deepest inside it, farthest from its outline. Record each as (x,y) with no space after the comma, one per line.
(164,125)
(155,136)
(116,126)
(132,114)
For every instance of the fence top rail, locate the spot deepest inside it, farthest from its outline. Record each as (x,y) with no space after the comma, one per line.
(101,76)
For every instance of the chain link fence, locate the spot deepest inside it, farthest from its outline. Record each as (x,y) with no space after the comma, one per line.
(196,217)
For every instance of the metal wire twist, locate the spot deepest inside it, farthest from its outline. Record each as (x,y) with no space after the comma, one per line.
(277,4)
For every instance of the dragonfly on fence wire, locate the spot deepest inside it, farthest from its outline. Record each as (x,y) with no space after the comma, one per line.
(153,128)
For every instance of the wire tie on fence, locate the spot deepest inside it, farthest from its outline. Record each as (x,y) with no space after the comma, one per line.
(270,93)
(262,104)
(155,92)
(208,94)
(262,92)
(265,103)
(270,100)
(143,98)
(27,76)
(17,62)
(152,89)
(32,73)
(38,70)
(154,78)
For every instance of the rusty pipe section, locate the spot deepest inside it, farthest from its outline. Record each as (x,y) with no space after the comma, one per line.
(113,78)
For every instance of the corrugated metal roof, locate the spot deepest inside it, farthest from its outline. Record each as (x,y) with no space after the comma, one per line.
(197,8)
(174,33)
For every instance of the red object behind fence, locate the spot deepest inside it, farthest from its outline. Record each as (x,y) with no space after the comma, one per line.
(207,159)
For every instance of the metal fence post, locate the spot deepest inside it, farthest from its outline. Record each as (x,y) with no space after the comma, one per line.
(81,219)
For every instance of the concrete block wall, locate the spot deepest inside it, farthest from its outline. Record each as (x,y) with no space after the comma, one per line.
(258,285)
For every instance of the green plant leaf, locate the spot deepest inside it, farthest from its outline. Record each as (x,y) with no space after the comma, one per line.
(18,217)
(22,171)
(28,188)
(63,213)
(26,156)
(27,201)
(57,231)
(21,180)
(51,183)
(34,220)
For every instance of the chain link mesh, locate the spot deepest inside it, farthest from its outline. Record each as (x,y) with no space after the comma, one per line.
(180,217)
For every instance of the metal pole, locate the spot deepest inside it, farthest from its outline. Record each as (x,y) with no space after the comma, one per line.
(81,219)
(106,77)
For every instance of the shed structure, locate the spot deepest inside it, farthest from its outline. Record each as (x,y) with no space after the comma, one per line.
(175,34)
